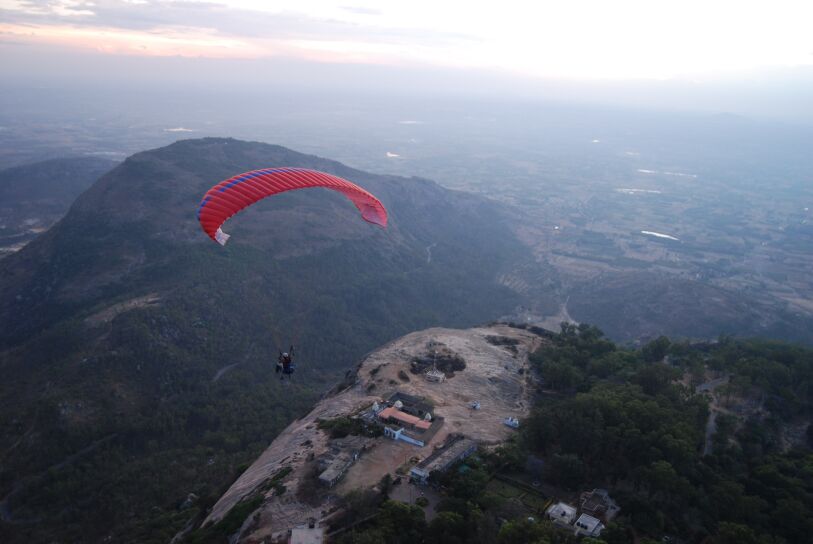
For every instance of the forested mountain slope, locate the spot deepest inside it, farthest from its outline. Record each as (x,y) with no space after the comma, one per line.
(35,196)
(137,354)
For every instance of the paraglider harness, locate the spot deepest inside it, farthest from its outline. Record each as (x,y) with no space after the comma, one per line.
(285,363)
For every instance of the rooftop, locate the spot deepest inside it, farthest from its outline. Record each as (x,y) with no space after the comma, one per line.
(442,457)
(587,522)
(395,413)
(562,512)
(336,468)
(599,502)
(411,403)
(307,535)
(350,442)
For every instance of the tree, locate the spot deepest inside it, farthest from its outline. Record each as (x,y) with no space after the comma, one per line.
(524,532)
(385,484)
(734,533)
(656,350)
(615,533)
(447,528)
(566,469)
(655,378)
(401,523)
(561,376)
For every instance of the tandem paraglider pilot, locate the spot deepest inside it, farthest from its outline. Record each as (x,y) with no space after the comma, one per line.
(285,363)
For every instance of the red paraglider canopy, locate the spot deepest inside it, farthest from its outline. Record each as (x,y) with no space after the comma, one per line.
(232,195)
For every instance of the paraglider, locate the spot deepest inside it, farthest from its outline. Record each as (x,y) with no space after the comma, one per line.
(285,363)
(232,195)
(236,193)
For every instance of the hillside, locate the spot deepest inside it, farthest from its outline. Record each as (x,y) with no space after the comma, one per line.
(494,375)
(35,196)
(132,345)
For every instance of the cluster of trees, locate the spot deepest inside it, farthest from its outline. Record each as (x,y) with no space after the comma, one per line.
(342,426)
(461,516)
(632,421)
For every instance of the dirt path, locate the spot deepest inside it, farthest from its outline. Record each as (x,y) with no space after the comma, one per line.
(108,314)
(223,371)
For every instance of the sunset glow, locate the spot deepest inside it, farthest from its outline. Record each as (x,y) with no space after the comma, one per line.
(580,39)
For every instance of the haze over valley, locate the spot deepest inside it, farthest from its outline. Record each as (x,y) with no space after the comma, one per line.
(618,208)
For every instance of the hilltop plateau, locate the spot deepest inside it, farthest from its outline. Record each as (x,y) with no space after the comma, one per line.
(494,374)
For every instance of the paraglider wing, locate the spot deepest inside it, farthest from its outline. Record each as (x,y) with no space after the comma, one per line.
(232,195)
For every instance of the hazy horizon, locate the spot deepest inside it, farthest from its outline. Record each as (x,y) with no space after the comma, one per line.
(738,58)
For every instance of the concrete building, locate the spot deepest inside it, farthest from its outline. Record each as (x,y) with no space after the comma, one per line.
(456,449)
(562,514)
(417,406)
(341,456)
(587,525)
(307,535)
(400,434)
(335,470)
(599,504)
(408,418)
(408,421)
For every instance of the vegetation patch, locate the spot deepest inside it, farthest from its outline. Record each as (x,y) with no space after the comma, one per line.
(504,341)
(230,524)
(342,426)
(275,482)
(446,360)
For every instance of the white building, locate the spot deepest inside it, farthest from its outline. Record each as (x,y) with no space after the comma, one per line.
(561,514)
(307,535)
(587,525)
(399,434)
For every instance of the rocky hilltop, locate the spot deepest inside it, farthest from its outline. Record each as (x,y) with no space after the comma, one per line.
(489,369)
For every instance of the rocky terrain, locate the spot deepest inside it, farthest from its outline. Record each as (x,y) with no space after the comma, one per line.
(495,375)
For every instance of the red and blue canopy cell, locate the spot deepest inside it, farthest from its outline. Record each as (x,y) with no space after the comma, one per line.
(232,195)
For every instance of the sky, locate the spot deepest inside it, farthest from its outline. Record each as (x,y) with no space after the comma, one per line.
(689,48)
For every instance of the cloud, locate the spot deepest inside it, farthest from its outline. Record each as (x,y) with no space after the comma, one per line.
(361,10)
(219,18)
(46,8)
(591,39)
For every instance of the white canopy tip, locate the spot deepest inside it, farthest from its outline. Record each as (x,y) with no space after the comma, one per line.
(221,237)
